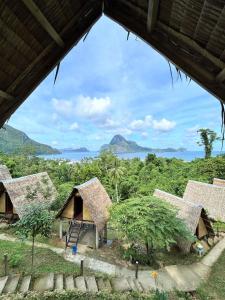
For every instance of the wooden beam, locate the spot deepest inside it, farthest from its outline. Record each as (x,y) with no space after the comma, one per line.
(221,76)
(191,44)
(170,50)
(6,96)
(153,7)
(39,16)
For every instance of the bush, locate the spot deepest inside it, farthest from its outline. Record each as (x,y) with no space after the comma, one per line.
(15,260)
(136,253)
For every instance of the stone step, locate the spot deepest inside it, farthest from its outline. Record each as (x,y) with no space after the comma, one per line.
(147,284)
(69,283)
(120,284)
(59,282)
(165,281)
(91,284)
(104,285)
(25,284)
(11,284)
(80,284)
(3,281)
(45,283)
(132,284)
(138,285)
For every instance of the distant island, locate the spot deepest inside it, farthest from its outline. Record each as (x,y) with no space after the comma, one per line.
(15,141)
(119,144)
(81,150)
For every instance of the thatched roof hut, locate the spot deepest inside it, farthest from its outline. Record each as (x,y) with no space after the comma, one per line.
(210,196)
(88,202)
(219,182)
(4,173)
(194,216)
(24,190)
(36,35)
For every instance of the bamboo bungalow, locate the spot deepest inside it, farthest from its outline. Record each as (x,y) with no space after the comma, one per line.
(88,203)
(4,173)
(210,196)
(192,214)
(14,194)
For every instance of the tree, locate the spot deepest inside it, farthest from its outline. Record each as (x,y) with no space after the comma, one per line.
(207,138)
(36,220)
(148,221)
(116,172)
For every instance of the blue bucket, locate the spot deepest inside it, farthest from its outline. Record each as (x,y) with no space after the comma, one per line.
(74,249)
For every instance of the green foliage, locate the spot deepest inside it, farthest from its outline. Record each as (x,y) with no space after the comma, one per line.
(16,260)
(207,138)
(160,295)
(36,220)
(148,221)
(77,295)
(15,141)
(139,178)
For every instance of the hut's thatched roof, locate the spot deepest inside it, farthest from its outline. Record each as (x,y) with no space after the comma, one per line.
(25,190)
(219,182)
(189,212)
(4,173)
(210,196)
(95,198)
(36,35)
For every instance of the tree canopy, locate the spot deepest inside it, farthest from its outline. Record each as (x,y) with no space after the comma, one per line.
(149,221)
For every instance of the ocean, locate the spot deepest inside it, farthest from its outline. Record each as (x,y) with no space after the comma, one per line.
(78,156)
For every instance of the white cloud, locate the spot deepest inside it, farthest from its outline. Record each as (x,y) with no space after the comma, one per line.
(163,125)
(93,107)
(109,123)
(141,124)
(149,122)
(74,126)
(63,107)
(55,143)
(144,135)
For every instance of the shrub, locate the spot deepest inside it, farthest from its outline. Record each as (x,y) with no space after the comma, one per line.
(15,260)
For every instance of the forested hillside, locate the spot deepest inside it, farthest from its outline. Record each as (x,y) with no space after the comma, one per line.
(136,177)
(13,140)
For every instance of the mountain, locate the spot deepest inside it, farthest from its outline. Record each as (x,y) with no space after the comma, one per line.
(15,141)
(119,144)
(82,149)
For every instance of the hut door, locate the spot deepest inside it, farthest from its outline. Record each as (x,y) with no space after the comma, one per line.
(78,208)
(8,205)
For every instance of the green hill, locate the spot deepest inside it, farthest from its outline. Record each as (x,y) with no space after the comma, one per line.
(119,144)
(16,141)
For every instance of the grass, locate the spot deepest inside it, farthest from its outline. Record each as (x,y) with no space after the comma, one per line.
(45,260)
(214,288)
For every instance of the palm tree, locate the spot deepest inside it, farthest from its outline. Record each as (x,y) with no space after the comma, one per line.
(207,138)
(116,172)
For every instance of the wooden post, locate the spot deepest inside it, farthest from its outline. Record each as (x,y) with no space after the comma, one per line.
(82,268)
(60,229)
(105,234)
(6,264)
(96,238)
(136,270)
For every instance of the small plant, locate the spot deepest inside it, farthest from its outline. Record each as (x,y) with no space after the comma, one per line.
(15,260)
(160,295)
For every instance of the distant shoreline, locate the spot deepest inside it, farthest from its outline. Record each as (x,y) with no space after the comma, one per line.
(78,156)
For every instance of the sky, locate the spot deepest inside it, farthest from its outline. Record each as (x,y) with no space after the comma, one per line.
(109,85)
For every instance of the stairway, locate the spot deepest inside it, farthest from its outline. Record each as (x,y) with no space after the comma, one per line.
(49,282)
(72,237)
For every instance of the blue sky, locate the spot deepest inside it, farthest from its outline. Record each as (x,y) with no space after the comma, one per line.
(108,85)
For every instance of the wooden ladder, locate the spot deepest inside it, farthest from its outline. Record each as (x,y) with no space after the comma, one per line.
(73,234)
